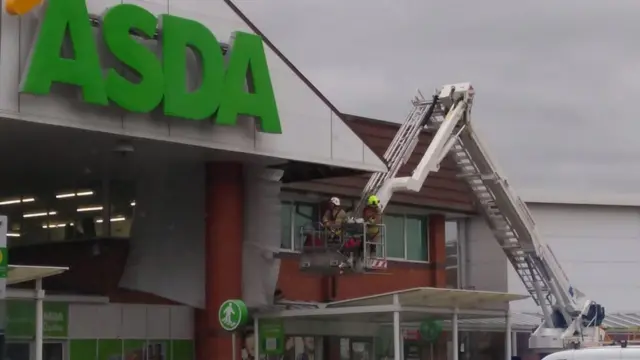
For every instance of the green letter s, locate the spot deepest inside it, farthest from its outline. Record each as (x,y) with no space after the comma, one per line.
(147,94)
(47,66)
(178,34)
(248,65)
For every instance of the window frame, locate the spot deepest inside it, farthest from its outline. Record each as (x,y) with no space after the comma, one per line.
(292,223)
(293,198)
(425,219)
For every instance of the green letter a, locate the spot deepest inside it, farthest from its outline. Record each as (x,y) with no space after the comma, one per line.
(248,65)
(46,66)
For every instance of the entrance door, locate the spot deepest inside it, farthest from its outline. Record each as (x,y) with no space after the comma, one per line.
(18,351)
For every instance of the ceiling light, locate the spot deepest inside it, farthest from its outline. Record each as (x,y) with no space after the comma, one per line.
(133,203)
(90,208)
(37,214)
(13,234)
(53,226)
(17,201)
(113,219)
(79,193)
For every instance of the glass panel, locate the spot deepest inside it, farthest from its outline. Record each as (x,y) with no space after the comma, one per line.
(361,350)
(303,348)
(121,194)
(18,351)
(70,211)
(345,353)
(52,351)
(305,214)
(452,251)
(395,235)
(285,226)
(417,248)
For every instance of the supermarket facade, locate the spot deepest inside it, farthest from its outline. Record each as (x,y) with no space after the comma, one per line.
(152,204)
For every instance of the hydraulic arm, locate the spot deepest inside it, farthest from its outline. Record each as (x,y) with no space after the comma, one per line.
(567,315)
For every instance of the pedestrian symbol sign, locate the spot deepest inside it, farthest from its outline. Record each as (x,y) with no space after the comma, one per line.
(233,314)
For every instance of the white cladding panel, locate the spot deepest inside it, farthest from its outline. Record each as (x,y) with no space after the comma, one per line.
(598,248)
(311,131)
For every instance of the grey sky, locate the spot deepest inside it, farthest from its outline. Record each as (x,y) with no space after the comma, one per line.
(557,81)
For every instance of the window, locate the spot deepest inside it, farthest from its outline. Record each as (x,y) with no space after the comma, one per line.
(295,215)
(75,211)
(406,237)
(453,254)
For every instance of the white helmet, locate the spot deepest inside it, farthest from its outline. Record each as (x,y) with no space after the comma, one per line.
(335,201)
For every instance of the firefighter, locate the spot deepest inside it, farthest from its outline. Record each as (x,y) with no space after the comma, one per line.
(333,219)
(372,216)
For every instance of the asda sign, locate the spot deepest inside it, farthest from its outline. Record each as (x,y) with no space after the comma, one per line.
(232,84)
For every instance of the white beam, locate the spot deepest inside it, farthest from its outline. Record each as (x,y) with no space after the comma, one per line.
(450,311)
(454,335)
(507,340)
(349,310)
(25,294)
(397,334)
(39,294)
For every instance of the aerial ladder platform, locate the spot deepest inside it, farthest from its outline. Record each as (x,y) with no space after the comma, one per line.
(569,318)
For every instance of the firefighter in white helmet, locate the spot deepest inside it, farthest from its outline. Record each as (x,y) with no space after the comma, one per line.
(334,217)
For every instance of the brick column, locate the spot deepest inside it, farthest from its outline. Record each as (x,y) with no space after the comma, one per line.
(437,250)
(224,220)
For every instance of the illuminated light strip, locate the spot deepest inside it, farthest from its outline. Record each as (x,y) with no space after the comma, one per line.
(53,226)
(90,208)
(17,201)
(113,219)
(69,195)
(30,215)
(13,234)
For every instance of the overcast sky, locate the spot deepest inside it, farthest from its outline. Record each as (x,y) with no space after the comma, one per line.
(557,81)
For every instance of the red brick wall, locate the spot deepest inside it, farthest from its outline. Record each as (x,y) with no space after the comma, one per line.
(296,285)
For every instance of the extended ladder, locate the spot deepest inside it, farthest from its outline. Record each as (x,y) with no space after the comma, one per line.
(401,147)
(567,314)
(505,214)
(511,223)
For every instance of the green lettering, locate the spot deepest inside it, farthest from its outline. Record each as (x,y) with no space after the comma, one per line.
(147,94)
(247,66)
(48,66)
(178,35)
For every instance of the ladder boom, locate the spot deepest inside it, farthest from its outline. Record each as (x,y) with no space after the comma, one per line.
(568,315)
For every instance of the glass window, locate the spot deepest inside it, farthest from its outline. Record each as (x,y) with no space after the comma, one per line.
(416,229)
(394,225)
(452,251)
(53,213)
(305,214)
(302,348)
(285,225)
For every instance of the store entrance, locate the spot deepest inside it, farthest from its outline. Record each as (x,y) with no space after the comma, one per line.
(25,350)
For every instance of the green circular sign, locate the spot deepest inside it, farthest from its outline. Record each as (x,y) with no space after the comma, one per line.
(430,330)
(233,314)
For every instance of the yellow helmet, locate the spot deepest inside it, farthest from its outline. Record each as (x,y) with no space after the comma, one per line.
(373,200)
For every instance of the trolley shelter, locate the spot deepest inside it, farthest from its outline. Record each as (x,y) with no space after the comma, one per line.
(406,307)
(24,273)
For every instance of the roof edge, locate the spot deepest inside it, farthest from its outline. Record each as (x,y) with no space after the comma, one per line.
(539,196)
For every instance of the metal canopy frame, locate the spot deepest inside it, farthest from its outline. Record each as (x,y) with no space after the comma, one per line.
(24,273)
(452,304)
